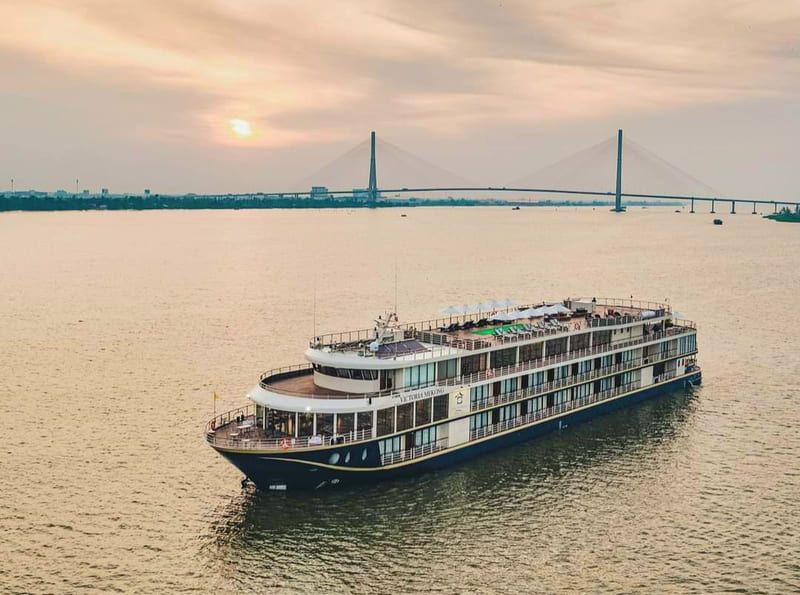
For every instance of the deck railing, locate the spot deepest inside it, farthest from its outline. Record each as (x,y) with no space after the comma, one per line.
(490,374)
(215,436)
(569,381)
(522,420)
(348,339)
(413,453)
(247,413)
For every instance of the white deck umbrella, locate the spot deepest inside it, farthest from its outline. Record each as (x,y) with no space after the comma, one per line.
(453,310)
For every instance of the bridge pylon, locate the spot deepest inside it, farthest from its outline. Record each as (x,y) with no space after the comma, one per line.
(372,188)
(618,208)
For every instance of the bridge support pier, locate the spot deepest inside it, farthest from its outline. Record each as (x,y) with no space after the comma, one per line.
(692,209)
(733,207)
(713,202)
(754,209)
(774,207)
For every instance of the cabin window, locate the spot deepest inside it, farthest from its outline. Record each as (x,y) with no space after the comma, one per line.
(349,373)
(504,357)
(385,424)
(426,436)
(478,394)
(390,445)
(422,413)
(280,423)
(440,407)
(473,363)
(345,423)
(601,338)
(555,346)
(530,351)
(418,375)
(480,420)
(325,424)
(387,379)
(579,341)
(446,369)
(537,404)
(405,414)
(364,421)
(508,385)
(305,424)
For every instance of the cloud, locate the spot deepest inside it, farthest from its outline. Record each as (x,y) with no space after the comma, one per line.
(307,73)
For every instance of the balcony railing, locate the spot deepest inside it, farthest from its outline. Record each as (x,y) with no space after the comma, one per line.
(522,420)
(490,374)
(413,453)
(533,391)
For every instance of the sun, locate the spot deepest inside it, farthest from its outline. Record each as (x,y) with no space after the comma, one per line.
(241,128)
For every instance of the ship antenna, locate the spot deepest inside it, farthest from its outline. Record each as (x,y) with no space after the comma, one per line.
(395,286)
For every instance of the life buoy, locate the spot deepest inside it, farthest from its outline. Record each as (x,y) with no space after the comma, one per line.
(284,444)
(577,326)
(213,424)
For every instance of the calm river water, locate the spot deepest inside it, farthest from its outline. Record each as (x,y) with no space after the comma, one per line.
(116,328)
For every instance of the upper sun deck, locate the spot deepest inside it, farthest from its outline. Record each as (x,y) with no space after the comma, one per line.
(454,335)
(442,342)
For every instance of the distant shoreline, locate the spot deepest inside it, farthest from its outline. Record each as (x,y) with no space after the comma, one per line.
(27,202)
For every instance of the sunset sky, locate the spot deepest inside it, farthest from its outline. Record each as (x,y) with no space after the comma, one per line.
(250,95)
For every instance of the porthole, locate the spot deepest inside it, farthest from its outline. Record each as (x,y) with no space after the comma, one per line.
(334,458)
(347,457)
(364,455)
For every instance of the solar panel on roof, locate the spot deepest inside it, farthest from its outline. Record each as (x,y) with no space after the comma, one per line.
(399,349)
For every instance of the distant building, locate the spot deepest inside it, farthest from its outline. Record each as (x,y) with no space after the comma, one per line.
(61,192)
(104,191)
(360,194)
(147,191)
(85,193)
(319,192)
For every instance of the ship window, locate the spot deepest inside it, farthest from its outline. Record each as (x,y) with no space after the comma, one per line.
(305,424)
(390,445)
(504,357)
(334,458)
(345,423)
(364,421)
(479,420)
(426,436)
(418,375)
(280,423)
(325,423)
(530,351)
(364,454)
(440,407)
(555,346)
(446,369)
(387,379)
(579,341)
(349,373)
(422,413)
(385,421)
(477,394)
(473,363)
(404,416)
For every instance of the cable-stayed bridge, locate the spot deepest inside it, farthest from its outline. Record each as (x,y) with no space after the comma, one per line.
(595,172)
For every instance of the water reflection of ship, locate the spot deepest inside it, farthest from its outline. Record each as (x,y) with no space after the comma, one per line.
(522,480)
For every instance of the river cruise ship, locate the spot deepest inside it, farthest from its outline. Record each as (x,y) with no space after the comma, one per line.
(398,399)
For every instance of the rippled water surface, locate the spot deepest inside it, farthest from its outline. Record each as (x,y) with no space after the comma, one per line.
(116,328)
